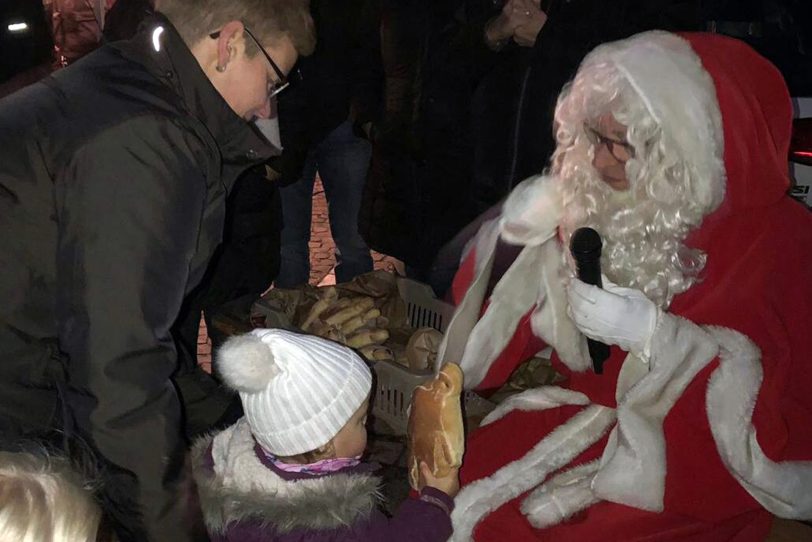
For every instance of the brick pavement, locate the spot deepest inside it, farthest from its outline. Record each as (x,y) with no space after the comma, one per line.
(322,263)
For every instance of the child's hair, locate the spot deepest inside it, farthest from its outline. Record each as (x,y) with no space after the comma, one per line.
(322,452)
(42,498)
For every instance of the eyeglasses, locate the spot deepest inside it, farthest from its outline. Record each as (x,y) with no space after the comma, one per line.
(277,86)
(622,151)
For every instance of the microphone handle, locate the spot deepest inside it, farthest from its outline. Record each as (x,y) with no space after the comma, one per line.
(599,352)
(590,273)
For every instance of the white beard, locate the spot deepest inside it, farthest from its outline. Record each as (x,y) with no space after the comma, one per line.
(638,250)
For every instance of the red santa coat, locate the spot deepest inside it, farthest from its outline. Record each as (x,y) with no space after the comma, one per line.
(737,437)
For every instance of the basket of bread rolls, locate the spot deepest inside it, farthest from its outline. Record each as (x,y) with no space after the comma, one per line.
(394,322)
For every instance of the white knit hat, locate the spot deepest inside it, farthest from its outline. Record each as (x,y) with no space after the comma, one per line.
(297,391)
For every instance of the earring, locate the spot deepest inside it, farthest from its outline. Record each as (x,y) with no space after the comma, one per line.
(220,68)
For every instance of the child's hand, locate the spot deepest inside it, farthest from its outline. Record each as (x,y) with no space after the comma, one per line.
(450,485)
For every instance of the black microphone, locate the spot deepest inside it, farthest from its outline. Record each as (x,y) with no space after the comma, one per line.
(585,246)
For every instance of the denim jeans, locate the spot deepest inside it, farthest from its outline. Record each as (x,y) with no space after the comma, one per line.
(342,161)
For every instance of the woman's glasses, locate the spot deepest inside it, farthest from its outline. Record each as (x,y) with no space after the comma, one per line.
(282,81)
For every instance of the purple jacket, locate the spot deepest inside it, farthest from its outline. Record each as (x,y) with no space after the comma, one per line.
(245,498)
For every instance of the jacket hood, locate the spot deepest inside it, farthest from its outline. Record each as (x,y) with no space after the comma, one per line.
(234,486)
(757,121)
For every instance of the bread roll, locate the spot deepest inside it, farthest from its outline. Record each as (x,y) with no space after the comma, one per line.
(435,430)
(422,347)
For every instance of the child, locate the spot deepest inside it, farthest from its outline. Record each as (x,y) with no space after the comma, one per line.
(43,498)
(290,469)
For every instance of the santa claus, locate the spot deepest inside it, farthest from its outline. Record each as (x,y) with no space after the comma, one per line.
(674,148)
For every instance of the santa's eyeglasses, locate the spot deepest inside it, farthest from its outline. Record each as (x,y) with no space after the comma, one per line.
(622,151)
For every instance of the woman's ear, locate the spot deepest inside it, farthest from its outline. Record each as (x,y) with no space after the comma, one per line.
(227,43)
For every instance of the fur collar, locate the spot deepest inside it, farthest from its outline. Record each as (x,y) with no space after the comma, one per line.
(234,486)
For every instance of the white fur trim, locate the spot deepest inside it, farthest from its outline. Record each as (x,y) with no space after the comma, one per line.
(246,363)
(531,212)
(551,321)
(542,398)
(633,464)
(240,488)
(467,312)
(530,218)
(558,448)
(561,497)
(784,488)
(512,297)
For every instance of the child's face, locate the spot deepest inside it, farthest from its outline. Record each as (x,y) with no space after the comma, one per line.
(352,439)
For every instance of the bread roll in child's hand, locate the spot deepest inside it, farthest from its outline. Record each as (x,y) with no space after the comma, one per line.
(435,431)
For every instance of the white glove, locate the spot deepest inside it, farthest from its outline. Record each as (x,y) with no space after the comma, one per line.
(614,315)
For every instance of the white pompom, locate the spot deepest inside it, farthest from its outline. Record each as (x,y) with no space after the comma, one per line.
(246,363)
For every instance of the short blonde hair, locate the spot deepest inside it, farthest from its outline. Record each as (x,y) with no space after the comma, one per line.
(42,498)
(268,20)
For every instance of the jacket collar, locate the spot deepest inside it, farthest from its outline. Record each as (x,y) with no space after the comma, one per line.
(361,468)
(236,487)
(161,50)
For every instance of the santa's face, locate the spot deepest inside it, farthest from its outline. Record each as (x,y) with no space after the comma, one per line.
(611,150)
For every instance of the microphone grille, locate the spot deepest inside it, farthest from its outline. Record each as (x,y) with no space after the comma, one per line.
(585,241)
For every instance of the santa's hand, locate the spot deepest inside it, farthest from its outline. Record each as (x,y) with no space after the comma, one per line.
(613,315)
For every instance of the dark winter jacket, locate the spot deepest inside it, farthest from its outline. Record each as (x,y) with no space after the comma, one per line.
(113,178)
(245,498)
(124,18)
(432,58)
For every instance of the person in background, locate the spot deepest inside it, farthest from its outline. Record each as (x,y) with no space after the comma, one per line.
(291,469)
(673,149)
(113,180)
(431,56)
(76,26)
(324,123)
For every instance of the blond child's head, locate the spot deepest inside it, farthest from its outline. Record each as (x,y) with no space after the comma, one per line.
(305,398)
(43,499)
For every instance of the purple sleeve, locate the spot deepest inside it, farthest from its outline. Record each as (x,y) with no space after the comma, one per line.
(425,519)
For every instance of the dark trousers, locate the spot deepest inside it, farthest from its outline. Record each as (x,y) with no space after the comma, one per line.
(342,162)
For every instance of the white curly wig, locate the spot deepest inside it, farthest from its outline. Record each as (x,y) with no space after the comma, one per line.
(653,84)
